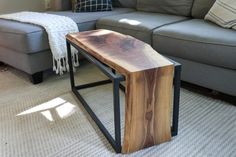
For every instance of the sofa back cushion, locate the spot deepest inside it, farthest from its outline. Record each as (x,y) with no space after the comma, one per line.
(201,8)
(61,5)
(176,7)
(125,3)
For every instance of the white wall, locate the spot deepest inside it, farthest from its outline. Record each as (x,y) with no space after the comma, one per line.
(8,6)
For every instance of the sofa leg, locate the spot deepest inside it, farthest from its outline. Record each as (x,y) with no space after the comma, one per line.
(37,77)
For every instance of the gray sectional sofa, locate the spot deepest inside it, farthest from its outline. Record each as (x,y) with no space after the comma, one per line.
(175,29)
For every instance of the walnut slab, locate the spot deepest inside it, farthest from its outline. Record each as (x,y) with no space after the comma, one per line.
(149,79)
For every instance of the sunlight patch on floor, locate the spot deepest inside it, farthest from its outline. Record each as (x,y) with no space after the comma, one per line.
(47,114)
(63,109)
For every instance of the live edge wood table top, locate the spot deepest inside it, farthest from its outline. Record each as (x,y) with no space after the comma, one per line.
(149,81)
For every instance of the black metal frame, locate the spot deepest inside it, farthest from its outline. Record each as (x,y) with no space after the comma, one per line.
(116,79)
(177,83)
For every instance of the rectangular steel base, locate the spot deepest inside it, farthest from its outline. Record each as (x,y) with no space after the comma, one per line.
(116,80)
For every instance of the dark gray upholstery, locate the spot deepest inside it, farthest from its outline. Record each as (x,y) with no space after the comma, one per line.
(29,63)
(176,7)
(28,38)
(201,7)
(137,24)
(125,3)
(199,41)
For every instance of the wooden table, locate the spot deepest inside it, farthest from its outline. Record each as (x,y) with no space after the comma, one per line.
(149,83)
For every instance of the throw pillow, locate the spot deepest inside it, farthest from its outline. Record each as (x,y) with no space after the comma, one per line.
(175,7)
(92,5)
(223,13)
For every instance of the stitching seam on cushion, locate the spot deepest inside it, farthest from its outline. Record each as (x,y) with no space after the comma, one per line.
(212,43)
(97,24)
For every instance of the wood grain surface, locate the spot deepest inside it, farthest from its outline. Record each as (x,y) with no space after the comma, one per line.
(149,79)
(122,52)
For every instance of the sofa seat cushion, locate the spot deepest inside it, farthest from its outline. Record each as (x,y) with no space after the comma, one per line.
(199,41)
(28,38)
(137,24)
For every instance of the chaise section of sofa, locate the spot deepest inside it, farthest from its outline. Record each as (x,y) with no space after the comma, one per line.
(25,46)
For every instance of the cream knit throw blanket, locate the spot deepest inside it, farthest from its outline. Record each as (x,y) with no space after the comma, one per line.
(56,27)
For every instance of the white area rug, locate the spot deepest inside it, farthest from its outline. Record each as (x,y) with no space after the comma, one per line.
(46,120)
